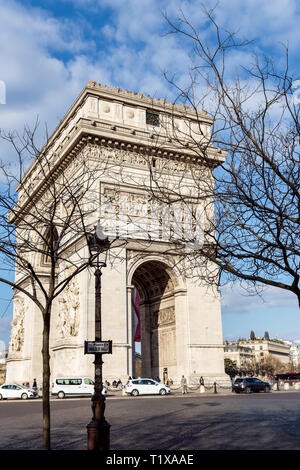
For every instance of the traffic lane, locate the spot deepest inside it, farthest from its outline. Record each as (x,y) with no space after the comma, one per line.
(21,421)
(256,421)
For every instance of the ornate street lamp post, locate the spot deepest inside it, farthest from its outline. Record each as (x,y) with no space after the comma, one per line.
(98,430)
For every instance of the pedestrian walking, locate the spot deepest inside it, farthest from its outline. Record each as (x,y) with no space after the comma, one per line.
(34,386)
(202,388)
(183,385)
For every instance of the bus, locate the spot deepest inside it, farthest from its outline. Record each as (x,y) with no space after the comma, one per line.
(288,377)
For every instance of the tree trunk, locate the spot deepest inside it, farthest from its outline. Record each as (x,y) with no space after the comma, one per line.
(46,380)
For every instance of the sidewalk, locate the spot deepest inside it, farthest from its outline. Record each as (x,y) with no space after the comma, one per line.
(177,392)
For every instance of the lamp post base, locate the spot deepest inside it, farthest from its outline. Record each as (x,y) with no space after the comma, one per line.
(98,435)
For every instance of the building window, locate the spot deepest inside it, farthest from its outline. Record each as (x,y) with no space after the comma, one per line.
(152,118)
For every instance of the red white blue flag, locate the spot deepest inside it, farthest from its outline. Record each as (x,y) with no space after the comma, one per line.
(136,315)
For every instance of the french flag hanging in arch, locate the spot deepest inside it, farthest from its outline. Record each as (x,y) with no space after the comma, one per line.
(136,316)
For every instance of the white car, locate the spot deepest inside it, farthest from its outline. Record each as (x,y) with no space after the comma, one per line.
(146,387)
(80,386)
(16,391)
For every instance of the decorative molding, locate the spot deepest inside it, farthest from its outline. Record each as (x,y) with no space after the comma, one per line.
(65,344)
(147,100)
(163,317)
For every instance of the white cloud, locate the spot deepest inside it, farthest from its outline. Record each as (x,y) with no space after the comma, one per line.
(38,81)
(46,61)
(235,299)
(136,50)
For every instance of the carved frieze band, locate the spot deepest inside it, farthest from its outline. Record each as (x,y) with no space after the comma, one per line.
(137,157)
(163,317)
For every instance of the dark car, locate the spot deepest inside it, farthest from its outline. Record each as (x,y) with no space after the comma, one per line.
(250,384)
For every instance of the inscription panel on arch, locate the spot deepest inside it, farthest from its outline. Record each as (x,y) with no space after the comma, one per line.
(129,212)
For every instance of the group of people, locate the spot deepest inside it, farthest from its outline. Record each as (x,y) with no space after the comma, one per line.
(118,383)
(115,383)
(167,381)
(34,385)
(183,384)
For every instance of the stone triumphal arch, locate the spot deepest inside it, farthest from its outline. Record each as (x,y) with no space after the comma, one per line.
(157,286)
(127,136)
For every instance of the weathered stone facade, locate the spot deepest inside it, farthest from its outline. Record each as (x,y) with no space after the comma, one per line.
(180,317)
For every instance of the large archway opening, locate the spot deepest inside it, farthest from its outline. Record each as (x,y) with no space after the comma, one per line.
(155,283)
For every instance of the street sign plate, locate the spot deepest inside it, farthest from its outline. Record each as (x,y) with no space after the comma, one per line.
(97,347)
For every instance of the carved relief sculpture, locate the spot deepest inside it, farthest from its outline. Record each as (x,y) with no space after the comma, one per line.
(68,314)
(17,331)
(163,317)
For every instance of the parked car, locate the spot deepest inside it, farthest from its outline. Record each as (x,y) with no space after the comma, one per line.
(35,391)
(80,386)
(146,387)
(16,391)
(250,384)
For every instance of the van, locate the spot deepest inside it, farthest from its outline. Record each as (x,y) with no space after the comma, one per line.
(145,387)
(80,386)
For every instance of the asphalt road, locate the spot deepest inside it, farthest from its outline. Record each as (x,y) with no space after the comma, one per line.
(233,422)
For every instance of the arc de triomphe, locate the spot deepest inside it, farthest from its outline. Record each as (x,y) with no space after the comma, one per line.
(181,328)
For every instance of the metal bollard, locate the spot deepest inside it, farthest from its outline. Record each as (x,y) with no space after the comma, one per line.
(215,387)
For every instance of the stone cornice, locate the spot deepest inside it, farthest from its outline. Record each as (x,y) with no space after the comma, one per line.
(110,117)
(152,103)
(90,134)
(127,97)
(84,116)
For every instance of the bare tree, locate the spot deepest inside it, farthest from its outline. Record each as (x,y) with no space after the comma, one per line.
(47,214)
(270,365)
(252,206)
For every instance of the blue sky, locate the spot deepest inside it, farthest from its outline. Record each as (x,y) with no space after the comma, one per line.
(50,49)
